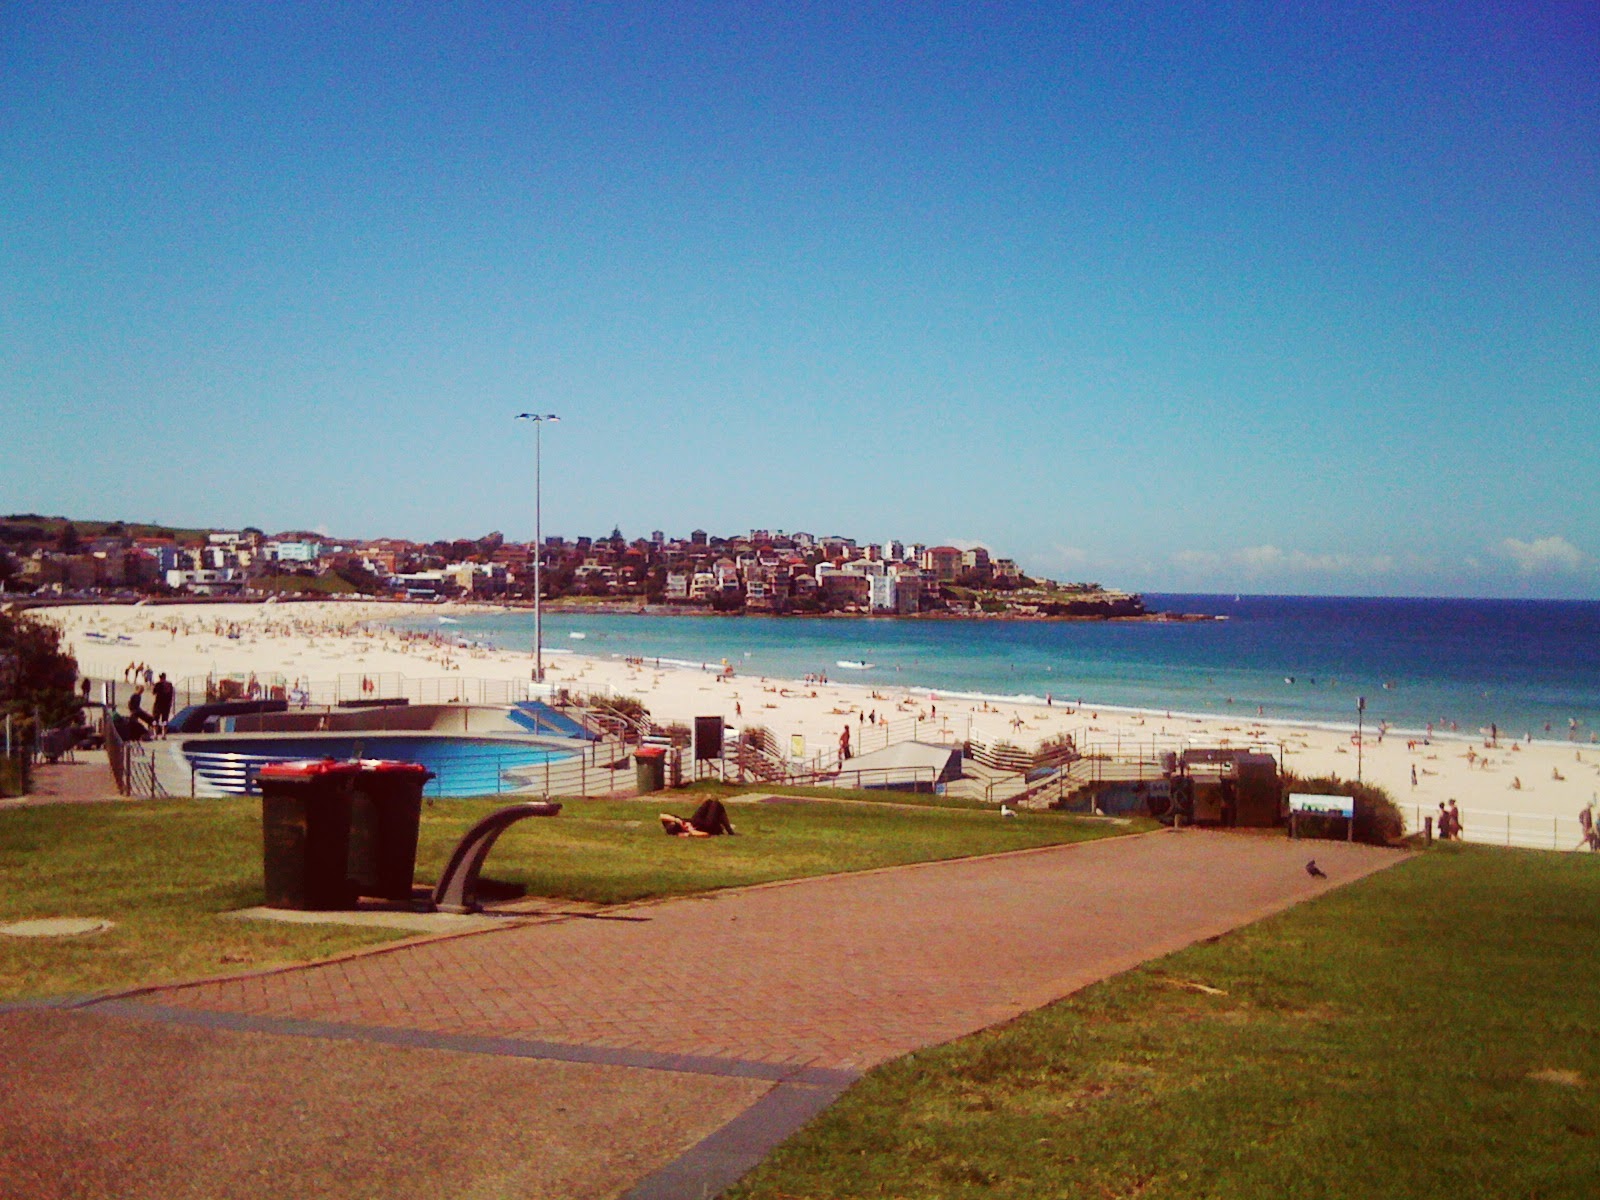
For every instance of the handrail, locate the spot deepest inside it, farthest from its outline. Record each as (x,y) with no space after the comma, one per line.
(116,752)
(835,778)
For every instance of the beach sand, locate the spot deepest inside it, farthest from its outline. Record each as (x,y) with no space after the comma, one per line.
(1541,785)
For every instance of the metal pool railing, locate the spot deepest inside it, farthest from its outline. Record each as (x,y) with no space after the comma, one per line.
(485,772)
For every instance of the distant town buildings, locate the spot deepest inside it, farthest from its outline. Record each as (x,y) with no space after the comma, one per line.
(763,571)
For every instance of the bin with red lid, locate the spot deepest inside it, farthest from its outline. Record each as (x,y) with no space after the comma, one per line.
(650,769)
(305,833)
(386,810)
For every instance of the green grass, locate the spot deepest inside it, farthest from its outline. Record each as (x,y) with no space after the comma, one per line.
(611,852)
(327,584)
(164,871)
(1385,1041)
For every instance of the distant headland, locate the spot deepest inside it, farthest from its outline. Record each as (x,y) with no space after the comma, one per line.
(763,572)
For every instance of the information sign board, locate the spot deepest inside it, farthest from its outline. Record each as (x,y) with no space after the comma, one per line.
(1322,806)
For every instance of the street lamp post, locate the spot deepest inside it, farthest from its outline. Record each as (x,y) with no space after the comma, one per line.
(538,420)
(1361,714)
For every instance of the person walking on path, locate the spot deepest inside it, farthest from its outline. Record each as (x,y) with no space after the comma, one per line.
(1591,835)
(1455,822)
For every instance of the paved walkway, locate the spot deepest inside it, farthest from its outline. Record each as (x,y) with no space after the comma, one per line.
(771,999)
(86,780)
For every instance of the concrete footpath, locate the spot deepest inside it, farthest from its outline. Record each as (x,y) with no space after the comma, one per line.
(651,1051)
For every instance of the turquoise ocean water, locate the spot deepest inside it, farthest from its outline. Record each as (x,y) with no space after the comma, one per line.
(1522,665)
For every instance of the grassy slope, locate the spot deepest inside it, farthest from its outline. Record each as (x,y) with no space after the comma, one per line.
(164,870)
(1381,1042)
(613,851)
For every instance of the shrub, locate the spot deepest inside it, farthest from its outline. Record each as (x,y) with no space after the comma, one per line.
(36,675)
(1059,748)
(630,707)
(1378,821)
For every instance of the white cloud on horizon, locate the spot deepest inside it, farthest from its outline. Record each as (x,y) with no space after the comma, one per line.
(1256,560)
(1542,555)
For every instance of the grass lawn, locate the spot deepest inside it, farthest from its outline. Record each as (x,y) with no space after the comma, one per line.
(165,870)
(611,852)
(1433,1031)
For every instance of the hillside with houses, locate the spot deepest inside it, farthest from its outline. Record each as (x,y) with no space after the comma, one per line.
(764,571)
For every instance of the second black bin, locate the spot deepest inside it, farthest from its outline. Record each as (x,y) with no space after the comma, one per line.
(385,812)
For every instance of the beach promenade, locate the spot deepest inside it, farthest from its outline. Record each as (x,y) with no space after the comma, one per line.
(652,1050)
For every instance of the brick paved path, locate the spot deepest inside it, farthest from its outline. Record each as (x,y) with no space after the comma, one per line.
(88,780)
(837,973)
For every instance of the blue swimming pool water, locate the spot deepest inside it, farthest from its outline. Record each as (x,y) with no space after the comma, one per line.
(462,766)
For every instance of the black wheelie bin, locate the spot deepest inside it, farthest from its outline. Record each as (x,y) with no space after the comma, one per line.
(305,833)
(386,809)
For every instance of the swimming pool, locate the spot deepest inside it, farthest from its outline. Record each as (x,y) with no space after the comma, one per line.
(462,766)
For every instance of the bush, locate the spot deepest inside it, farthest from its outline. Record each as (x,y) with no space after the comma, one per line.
(1060,747)
(1378,821)
(36,675)
(630,707)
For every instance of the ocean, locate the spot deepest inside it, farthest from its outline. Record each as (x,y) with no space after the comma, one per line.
(1524,666)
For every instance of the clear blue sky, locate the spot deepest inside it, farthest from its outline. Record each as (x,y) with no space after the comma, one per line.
(1248,297)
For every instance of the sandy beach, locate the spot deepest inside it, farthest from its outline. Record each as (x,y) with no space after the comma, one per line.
(1535,788)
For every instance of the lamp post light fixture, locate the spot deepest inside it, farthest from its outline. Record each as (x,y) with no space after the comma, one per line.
(538,420)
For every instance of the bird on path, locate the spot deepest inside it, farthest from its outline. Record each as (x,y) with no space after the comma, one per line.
(1315,871)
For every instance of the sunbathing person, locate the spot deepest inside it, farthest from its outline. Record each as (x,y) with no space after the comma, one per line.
(709,820)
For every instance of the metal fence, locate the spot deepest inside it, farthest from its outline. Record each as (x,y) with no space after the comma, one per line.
(1532,831)
(355,685)
(888,779)
(488,772)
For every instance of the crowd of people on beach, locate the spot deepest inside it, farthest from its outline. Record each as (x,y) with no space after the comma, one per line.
(339,645)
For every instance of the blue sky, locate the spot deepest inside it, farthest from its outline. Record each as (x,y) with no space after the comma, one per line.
(1249,297)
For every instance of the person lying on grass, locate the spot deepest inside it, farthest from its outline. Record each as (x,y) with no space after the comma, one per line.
(709,820)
